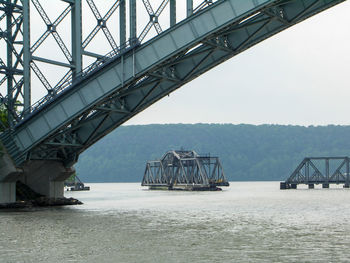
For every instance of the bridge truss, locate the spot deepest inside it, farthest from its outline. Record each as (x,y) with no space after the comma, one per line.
(140,69)
(320,170)
(21,58)
(184,170)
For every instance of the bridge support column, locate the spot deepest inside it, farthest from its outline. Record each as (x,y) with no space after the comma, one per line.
(189,6)
(122,23)
(172,12)
(46,177)
(133,34)
(7,192)
(9,174)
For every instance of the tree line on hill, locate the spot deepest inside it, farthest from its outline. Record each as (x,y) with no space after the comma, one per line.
(247,152)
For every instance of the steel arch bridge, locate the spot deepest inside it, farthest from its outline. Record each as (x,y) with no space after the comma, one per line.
(89,102)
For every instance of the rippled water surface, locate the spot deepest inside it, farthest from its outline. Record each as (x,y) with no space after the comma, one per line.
(247,222)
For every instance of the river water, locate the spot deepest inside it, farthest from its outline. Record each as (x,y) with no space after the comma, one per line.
(247,222)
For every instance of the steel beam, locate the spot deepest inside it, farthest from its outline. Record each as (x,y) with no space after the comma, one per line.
(347,170)
(189,7)
(122,23)
(132,23)
(26,57)
(172,12)
(9,73)
(91,54)
(53,62)
(76,37)
(327,170)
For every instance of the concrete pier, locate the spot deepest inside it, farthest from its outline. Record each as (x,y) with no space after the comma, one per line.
(44,177)
(7,192)
(9,174)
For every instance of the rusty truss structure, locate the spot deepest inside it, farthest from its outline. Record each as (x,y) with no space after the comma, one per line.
(184,170)
(319,170)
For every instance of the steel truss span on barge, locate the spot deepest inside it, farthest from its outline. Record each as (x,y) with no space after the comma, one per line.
(184,170)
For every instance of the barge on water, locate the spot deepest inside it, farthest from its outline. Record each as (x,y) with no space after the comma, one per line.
(184,170)
(75,184)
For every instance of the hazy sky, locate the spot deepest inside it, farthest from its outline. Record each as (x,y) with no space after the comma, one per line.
(300,76)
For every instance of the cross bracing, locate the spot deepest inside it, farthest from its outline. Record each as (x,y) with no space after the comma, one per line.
(88,104)
(321,170)
(74,51)
(184,168)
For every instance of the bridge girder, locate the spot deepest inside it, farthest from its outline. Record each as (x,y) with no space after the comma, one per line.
(142,83)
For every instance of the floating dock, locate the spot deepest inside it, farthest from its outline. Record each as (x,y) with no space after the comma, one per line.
(319,170)
(184,170)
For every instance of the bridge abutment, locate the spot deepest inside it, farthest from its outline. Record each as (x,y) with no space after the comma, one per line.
(46,177)
(9,174)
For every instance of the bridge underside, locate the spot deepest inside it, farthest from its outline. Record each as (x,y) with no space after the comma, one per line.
(124,85)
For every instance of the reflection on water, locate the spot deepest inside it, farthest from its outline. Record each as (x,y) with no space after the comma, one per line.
(248,222)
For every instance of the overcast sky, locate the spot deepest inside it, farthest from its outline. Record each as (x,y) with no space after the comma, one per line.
(300,76)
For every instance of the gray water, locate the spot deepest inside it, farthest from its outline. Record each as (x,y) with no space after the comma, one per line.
(247,222)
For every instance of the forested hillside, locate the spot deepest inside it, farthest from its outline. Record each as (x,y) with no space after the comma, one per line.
(247,152)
